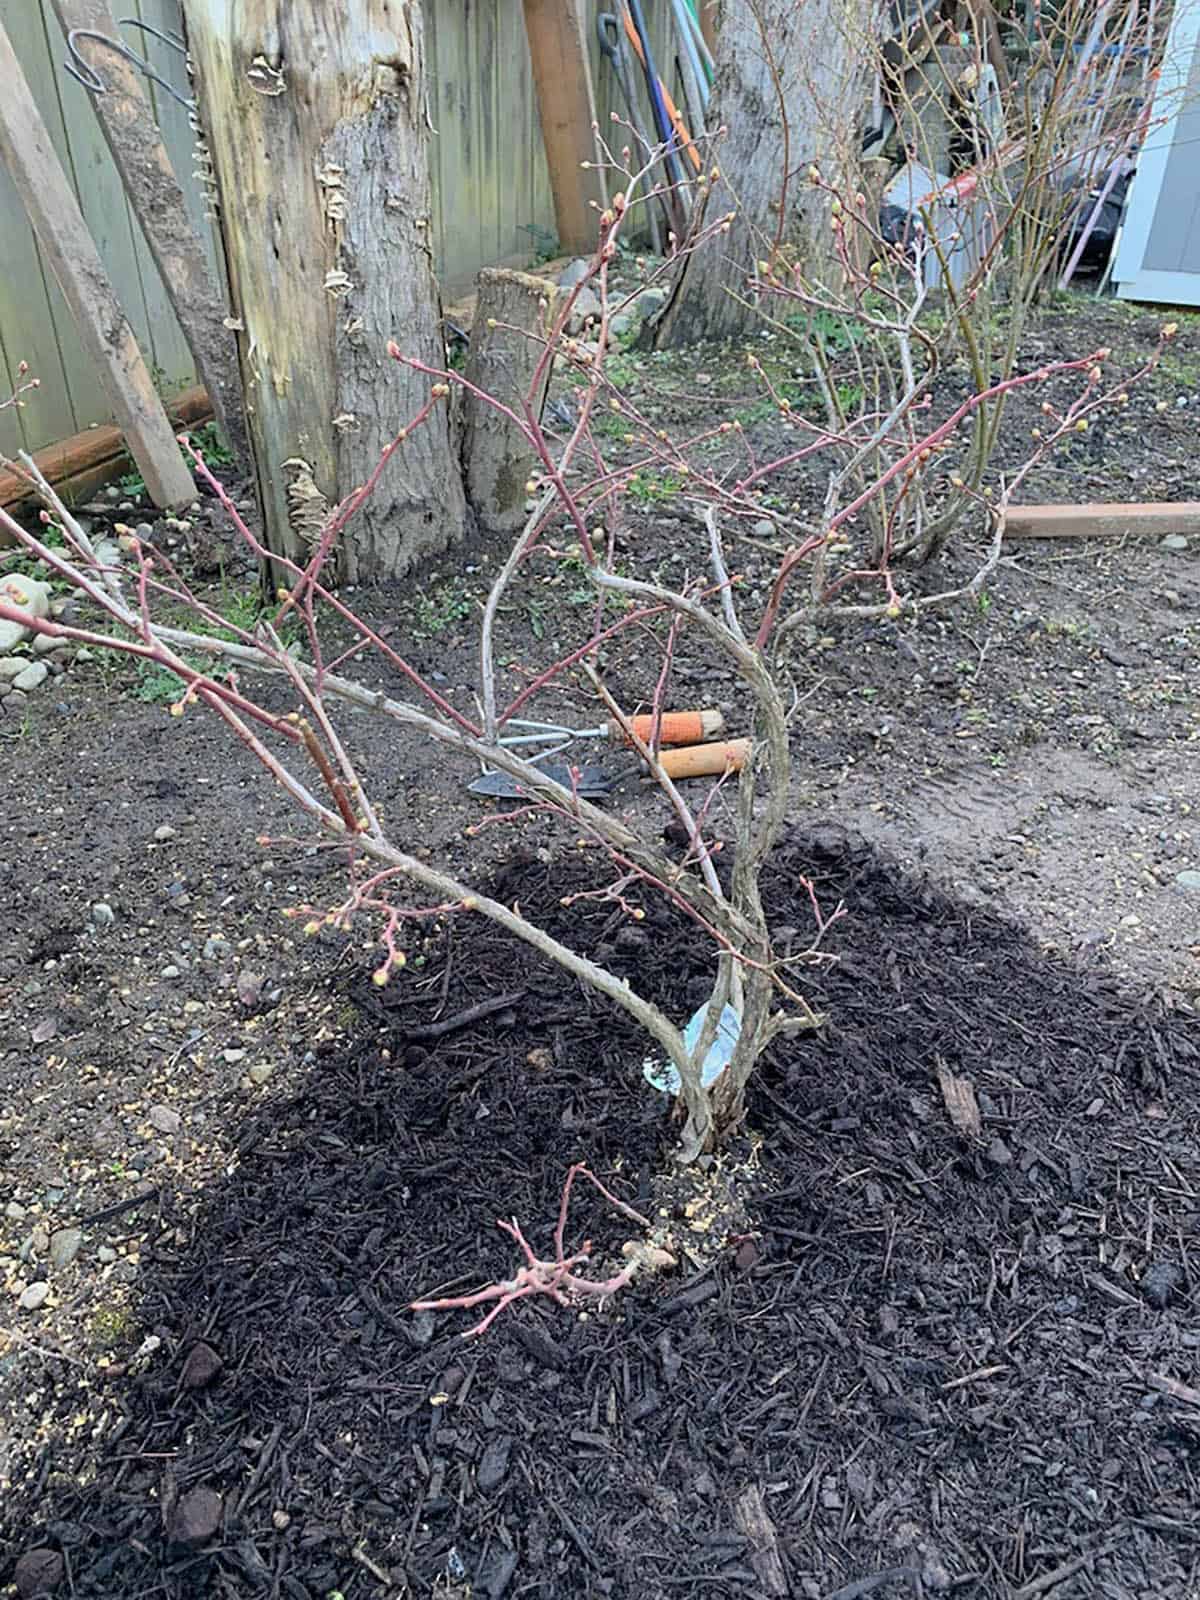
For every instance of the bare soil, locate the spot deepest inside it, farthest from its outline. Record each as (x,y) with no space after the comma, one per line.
(927,1365)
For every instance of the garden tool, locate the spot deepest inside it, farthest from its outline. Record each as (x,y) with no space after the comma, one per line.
(685,761)
(674,727)
(612,48)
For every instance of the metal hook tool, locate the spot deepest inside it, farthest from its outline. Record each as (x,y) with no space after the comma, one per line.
(84,73)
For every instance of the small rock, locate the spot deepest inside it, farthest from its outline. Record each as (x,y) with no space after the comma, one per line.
(103,914)
(38,1573)
(106,1254)
(65,1244)
(493,1464)
(164,1119)
(164,833)
(35,1297)
(169,972)
(1160,1283)
(144,531)
(1188,880)
(259,1073)
(764,528)
(202,1367)
(249,987)
(12,666)
(233,1056)
(45,644)
(998,1153)
(1173,541)
(215,948)
(108,554)
(33,677)
(196,1518)
(747,1256)
(14,1211)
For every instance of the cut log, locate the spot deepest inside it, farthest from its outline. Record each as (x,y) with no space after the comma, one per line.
(1138,519)
(317,124)
(71,254)
(507,342)
(127,122)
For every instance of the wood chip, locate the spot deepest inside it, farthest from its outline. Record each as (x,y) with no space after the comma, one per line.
(959,1097)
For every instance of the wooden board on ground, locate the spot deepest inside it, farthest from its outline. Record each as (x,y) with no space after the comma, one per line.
(79,465)
(1138,519)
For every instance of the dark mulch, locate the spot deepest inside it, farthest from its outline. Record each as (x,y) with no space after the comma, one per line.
(935,1367)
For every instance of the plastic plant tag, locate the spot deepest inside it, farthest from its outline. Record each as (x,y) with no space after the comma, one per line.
(664,1075)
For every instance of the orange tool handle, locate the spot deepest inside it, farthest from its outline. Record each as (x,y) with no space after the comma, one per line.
(672,110)
(705,760)
(674,727)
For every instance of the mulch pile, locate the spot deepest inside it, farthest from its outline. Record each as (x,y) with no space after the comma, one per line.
(934,1366)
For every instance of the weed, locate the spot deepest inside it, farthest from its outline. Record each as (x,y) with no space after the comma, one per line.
(652,488)
(209,441)
(439,609)
(111,1325)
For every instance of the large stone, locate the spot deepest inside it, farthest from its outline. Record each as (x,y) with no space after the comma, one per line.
(33,677)
(26,594)
(45,644)
(1188,880)
(575,273)
(12,666)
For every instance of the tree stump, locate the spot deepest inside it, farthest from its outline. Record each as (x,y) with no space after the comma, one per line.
(507,342)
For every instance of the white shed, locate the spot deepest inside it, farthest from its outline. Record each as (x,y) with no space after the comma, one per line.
(1158,256)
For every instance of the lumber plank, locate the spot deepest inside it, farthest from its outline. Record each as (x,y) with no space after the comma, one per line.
(1116,520)
(562,74)
(71,253)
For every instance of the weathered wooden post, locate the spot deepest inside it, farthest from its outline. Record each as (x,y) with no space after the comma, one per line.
(316,122)
(562,73)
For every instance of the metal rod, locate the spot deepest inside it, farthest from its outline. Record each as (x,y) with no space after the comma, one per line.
(84,73)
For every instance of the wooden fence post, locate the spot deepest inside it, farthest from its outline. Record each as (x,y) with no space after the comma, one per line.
(71,253)
(562,73)
(127,122)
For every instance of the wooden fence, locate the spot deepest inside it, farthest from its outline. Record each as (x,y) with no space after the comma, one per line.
(492,198)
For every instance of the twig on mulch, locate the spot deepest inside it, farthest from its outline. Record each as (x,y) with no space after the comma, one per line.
(558,1277)
(462,1019)
(1176,1390)
(861,1586)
